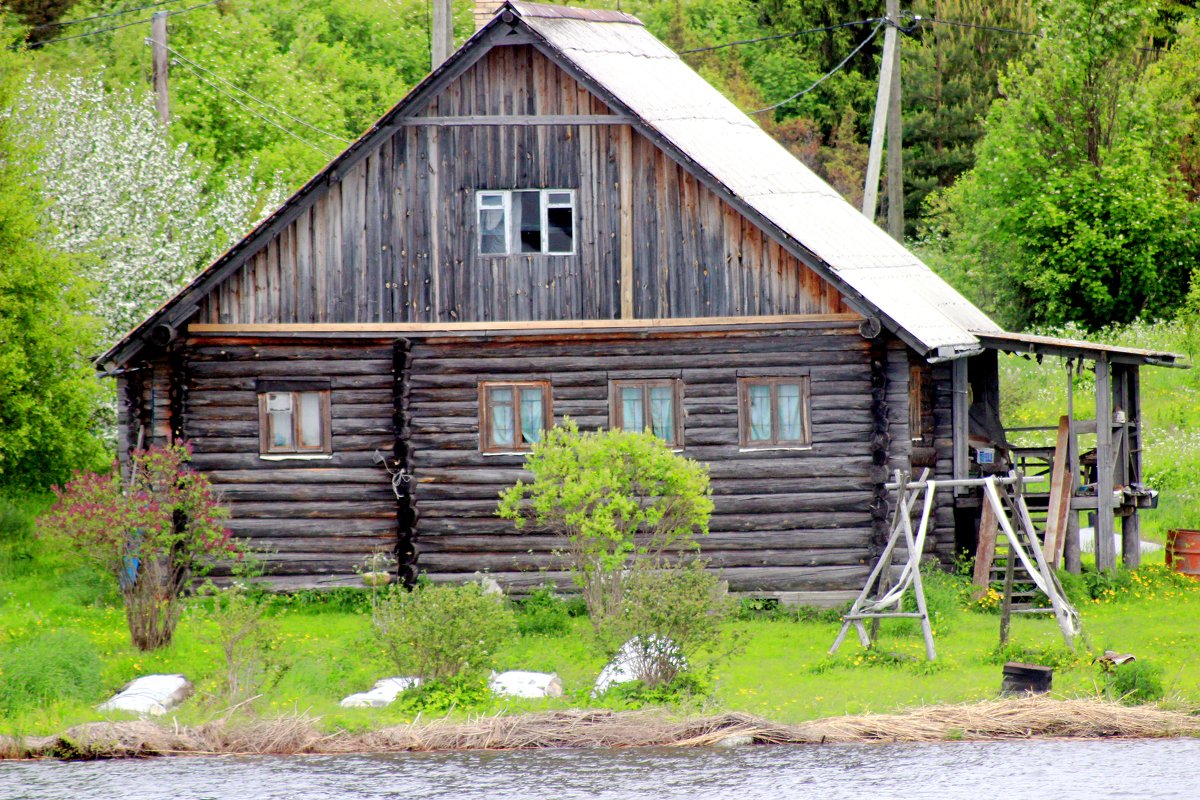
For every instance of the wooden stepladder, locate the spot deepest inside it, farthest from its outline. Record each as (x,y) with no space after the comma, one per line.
(879,597)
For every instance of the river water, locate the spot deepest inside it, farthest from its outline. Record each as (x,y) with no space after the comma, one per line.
(1025,770)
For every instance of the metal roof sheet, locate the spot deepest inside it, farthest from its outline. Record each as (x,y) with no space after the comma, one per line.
(1075,348)
(665,93)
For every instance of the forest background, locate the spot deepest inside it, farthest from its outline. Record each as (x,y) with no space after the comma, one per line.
(1051,154)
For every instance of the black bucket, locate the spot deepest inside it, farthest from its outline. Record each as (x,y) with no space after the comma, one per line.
(1026,678)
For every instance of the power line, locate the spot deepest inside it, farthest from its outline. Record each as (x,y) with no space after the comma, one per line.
(119,27)
(978,26)
(791,35)
(277,109)
(829,74)
(65,22)
(263,117)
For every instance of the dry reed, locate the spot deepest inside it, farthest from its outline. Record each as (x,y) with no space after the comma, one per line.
(1021,718)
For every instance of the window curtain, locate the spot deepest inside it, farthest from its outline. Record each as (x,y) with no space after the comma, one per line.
(632,418)
(662,412)
(532,415)
(791,428)
(760,412)
(502,417)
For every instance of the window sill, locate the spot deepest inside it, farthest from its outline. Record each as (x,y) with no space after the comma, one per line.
(774,447)
(295,456)
(486,453)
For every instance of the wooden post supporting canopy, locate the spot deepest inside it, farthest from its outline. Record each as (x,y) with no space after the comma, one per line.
(1106,557)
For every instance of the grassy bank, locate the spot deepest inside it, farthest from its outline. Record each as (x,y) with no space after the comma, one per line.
(64,646)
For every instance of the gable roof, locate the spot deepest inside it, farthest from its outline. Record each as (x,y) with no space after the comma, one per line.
(613,54)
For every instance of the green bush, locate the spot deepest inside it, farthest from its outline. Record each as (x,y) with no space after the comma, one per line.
(1135,682)
(613,494)
(672,614)
(543,613)
(438,632)
(253,659)
(462,693)
(685,688)
(1056,656)
(52,667)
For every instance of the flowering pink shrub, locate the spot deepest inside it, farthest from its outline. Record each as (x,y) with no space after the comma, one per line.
(151,533)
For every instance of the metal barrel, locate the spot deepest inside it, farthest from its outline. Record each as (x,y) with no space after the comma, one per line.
(1183,551)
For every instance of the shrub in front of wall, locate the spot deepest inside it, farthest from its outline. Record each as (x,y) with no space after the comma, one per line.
(1135,682)
(52,667)
(613,495)
(437,632)
(150,535)
(543,613)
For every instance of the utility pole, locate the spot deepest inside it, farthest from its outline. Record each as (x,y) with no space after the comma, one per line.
(160,60)
(442,43)
(887,117)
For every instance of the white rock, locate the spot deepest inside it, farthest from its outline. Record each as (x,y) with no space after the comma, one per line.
(488,584)
(150,695)
(381,694)
(516,683)
(736,740)
(629,661)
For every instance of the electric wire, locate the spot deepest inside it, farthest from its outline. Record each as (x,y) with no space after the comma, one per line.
(791,35)
(65,22)
(256,113)
(827,75)
(119,27)
(192,64)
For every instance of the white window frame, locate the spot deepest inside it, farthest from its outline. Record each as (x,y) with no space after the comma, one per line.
(544,206)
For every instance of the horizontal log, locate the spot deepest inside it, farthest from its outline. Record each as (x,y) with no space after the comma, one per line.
(725,504)
(299,472)
(274,528)
(519,562)
(361,546)
(270,492)
(345,429)
(269,352)
(331,510)
(248,411)
(235,445)
(208,461)
(514,542)
(202,398)
(199,385)
(290,367)
(585,359)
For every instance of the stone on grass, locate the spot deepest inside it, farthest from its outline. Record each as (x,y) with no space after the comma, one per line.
(150,695)
(632,660)
(516,683)
(381,694)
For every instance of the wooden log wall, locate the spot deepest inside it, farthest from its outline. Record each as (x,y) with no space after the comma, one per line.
(314,517)
(394,239)
(785,520)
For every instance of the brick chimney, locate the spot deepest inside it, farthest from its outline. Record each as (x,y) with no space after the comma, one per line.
(485,10)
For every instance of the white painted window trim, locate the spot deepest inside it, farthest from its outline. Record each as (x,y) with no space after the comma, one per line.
(543,222)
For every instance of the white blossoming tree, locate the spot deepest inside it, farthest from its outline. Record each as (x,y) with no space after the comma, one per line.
(145,213)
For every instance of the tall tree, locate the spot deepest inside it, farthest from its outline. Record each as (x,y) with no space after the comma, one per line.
(1075,211)
(48,392)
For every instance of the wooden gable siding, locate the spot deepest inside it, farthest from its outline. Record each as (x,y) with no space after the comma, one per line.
(784,519)
(395,239)
(313,519)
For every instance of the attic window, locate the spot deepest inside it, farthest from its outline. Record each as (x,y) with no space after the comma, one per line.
(526,221)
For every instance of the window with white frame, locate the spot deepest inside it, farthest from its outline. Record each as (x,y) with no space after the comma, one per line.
(526,221)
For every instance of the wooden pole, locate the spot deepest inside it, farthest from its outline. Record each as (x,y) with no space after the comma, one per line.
(882,99)
(1071,546)
(442,35)
(160,61)
(1106,557)
(1131,534)
(895,135)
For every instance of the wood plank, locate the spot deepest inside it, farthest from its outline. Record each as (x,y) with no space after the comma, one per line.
(985,552)
(1062,487)
(625,169)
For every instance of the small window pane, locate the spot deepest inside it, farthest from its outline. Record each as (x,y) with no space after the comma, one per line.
(492,200)
(502,417)
(662,412)
(532,415)
(491,231)
(279,401)
(310,419)
(760,412)
(560,232)
(790,423)
(558,198)
(527,208)
(632,418)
